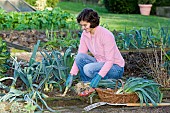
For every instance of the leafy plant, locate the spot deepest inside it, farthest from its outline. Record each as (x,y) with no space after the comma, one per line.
(147,90)
(62,41)
(166,64)
(37,77)
(57,18)
(31,2)
(142,38)
(146,1)
(109,83)
(127,42)
(164,37)
(4,57)
(52,3)
(121,6)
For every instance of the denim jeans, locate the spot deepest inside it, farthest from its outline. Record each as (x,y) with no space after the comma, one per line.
(89,67)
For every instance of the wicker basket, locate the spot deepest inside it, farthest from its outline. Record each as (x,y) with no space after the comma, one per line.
(108,95)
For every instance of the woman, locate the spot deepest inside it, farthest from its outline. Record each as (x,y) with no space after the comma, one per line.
(106,62)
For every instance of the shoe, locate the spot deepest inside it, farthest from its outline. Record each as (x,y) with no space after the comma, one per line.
(87,92)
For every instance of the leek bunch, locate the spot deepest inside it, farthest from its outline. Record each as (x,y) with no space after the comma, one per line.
(109,83)
(147,90)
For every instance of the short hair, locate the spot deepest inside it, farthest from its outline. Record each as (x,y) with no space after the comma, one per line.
(90,16)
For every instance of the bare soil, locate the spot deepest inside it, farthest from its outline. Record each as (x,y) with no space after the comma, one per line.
(72,103)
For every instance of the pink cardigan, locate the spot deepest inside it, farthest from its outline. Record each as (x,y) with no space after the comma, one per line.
(103,47)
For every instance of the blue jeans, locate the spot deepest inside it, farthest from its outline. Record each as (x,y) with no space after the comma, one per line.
(89,67)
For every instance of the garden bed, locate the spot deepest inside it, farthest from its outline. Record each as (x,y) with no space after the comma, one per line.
(137,65)
(76,104)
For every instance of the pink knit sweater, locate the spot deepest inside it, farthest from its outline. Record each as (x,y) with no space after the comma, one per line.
(103,47)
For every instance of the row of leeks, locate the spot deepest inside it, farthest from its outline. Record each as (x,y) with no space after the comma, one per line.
(36,77)
(143,38)
(147,90)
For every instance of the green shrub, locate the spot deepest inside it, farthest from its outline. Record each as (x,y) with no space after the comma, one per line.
(39,20)
(159,3)
(146,1)
(131,6)
(122,6)
(31,2)
(52,3)
(162,3)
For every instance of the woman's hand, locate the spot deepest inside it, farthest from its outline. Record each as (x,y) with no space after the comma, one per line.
(68,84)
(69,80)
(95,81)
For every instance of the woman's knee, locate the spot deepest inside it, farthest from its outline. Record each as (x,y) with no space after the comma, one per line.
(119,73)
(87,70)
(115,72)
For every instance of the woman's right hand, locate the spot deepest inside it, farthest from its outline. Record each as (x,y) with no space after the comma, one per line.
(69,80)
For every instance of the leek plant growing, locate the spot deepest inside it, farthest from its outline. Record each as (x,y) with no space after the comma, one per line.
(4,57)
(143,38)
(37,77)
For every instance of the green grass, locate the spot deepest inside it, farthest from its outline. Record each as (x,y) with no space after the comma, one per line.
(118,22)
(75,8)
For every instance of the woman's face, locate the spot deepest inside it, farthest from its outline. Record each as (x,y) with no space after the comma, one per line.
(85,26)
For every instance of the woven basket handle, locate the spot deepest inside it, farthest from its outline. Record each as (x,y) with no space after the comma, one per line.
(119,80)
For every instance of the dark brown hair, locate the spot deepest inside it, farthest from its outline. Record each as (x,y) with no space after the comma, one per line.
(90,16)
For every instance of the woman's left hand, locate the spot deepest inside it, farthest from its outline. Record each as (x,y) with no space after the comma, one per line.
(95,81)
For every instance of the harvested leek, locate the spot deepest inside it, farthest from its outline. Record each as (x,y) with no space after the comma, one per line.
(68,86)
(65,92)
(147,90)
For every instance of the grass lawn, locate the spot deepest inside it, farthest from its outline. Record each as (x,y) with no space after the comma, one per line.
(118,21)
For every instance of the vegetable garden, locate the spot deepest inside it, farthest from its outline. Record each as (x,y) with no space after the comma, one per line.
(54,36)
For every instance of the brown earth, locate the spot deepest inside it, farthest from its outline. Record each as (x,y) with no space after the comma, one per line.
(75,104)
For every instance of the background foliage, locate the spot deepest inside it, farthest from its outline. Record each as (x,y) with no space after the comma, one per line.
(114,6)
(52,3)
(130,6)
(122,6)
(4,57)
(41,20)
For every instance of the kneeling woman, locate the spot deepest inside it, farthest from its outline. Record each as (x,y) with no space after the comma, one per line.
(106,62)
